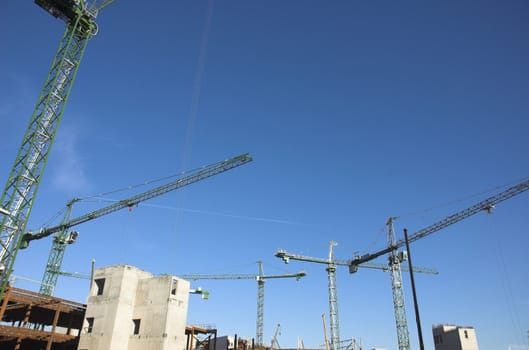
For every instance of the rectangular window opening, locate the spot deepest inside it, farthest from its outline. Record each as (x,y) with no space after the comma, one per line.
(173,288)
(100,285)
(90,324)
(136,323)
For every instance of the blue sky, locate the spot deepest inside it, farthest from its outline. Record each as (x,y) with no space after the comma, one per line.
(353,111)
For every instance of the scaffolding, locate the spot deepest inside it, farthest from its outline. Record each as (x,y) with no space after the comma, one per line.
(201,338)
(31,320)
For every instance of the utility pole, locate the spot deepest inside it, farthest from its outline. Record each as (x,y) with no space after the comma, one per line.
(415,303)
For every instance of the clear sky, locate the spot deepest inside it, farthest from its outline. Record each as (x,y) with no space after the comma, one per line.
(354,111)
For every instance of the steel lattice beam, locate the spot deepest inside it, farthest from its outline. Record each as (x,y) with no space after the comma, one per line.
(23,182)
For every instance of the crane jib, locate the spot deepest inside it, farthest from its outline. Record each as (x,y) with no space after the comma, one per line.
(486,205)
(204,173)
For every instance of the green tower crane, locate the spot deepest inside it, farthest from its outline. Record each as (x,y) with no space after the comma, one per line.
(62,237)
(260,278)
(23,182)
(332,263)
(394,261)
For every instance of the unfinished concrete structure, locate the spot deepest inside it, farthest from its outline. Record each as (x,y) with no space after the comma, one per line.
(450,337)
(130,309)
(35,321)
(201,338)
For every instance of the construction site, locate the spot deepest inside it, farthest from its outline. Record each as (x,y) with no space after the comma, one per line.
(128,306)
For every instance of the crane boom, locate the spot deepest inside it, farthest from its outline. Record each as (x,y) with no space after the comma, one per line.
(240,277)
(486,205)
(333,297)
(62,238)
(260,278)
(331,263)
(394,259)
(204,173)
(22,185)
(286,256)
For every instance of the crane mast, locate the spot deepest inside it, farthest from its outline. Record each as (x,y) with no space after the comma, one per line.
(274,344)
(332,263)
(333,293)
(23,182)
(259,322)
(56,256)
(403,335)
(325,332)
(333,299)
(63,238)
(395,259)
(260,278)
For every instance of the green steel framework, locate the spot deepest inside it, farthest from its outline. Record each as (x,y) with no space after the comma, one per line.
(23,182)
(260,278)
(63,238)
(335,343)
(399,306)
(396,276)
(56,256)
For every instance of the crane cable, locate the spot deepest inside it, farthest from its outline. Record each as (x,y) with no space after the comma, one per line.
(100,196)
(463,199)
(503,276)
(381,232)
(146,183)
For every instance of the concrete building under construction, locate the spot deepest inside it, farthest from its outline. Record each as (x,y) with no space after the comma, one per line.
(131,309)
(36,321)
(128,309)
(450,337)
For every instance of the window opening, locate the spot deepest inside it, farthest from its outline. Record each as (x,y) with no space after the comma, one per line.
(90,326)
(136,323)
(100,285)
(173,287)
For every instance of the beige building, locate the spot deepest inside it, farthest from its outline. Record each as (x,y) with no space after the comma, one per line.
(449,337)
(130,309)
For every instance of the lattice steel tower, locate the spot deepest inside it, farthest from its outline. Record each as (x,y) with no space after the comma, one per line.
(19,193)
(399,306)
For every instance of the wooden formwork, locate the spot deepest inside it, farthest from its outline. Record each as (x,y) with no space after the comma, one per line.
(31,320)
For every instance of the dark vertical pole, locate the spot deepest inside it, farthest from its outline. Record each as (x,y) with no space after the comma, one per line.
(215,341)
(92,274)
(410,265)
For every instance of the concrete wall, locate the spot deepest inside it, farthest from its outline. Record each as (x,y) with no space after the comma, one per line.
(467,338)
(161,305)
(450,337)
(135,310)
